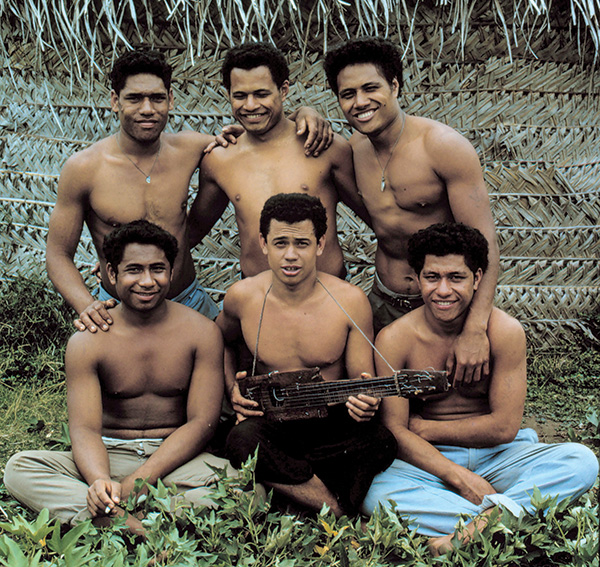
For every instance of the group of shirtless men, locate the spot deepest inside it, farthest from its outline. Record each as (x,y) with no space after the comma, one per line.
(146,376)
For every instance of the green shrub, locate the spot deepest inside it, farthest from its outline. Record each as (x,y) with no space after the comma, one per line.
(35,325)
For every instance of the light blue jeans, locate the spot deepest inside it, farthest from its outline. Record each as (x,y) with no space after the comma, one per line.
(193,296)
(566,470)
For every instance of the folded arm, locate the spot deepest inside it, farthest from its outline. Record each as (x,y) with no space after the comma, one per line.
(506,395)
(458,166)
(411,447)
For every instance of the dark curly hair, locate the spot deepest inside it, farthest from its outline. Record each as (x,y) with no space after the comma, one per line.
(139,232)
(292,208)
(449,238)
(382,53)
(140,61)
(256,54)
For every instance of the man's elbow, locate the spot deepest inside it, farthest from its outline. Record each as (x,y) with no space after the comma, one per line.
(505,433)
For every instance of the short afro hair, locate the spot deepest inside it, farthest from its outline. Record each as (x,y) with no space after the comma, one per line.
(140,61)
(138,232)
(382,53)
(256,54)
(444,239)
(292,208)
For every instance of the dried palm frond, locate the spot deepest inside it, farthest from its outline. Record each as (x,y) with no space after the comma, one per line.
(77,31)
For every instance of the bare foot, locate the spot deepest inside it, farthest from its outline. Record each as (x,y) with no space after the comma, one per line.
(440,545)
(134,524)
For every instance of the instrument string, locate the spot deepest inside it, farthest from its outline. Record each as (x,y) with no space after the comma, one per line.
(262,312)
(355,325)
(318,393)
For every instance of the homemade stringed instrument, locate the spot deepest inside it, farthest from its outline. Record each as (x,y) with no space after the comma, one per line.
(303,394)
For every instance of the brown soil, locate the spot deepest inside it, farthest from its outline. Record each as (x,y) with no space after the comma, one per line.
(548,431)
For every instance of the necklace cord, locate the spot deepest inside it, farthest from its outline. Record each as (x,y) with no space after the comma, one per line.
(148,177)
(391,153)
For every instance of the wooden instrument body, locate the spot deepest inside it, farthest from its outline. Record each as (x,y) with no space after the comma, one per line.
(303,394)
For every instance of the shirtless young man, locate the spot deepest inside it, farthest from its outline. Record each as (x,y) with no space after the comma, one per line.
(143,400)
(139,172)
(268,159)
(462,451)
(411,172)
(288,314)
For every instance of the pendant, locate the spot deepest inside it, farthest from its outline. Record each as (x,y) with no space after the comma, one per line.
(382,182)
(148,179)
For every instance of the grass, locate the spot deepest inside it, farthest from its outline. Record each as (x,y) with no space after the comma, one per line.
(563,391)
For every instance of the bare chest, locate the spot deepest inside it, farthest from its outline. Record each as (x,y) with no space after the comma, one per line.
(252,178)
(294,339)
(410,183)
(161,201)
(151,368)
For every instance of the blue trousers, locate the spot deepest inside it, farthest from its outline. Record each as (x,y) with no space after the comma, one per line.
(566,470)
(193,296)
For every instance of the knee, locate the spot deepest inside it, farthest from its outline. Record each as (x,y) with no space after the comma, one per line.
(585,470)
(242,441)
(14,468)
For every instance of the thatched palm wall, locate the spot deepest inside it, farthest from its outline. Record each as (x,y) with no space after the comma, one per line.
(522,85)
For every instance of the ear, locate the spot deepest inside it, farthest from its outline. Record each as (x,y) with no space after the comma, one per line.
(321,245)
(395,87)
(114,101)
(477,278)
(112,274)
(263,244)
(284,89)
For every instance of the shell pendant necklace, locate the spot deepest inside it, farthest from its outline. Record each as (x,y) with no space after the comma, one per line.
(391,153)
(149,175)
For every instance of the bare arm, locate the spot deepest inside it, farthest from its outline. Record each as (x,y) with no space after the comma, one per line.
(344,179)
(66,223)
(229,323)
(84,404)
(359,355)
(203,409)
(393,344)
(506,395)
(319,134)
(208,206)
(461,171)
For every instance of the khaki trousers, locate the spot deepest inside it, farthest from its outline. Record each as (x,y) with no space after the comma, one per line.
(50,479)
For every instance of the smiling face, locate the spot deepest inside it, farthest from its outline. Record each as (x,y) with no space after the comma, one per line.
(368,101)
(447,286)
(143,107)
(142,278)
(256,102)
(292,250)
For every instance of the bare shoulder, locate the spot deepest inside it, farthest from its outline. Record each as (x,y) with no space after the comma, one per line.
(80,165)
(85,347)
(340,145)
(188,140)
(401,331)
(504,331)
(221,156)
(245,291)
(189,320)
(440,139)
(345,292)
